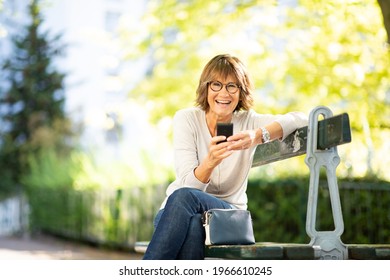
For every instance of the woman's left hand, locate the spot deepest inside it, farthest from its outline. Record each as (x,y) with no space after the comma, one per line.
(242,140)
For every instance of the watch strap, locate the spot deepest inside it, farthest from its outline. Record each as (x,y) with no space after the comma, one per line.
(265,135)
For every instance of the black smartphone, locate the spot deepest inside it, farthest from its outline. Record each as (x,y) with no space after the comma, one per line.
(225,129)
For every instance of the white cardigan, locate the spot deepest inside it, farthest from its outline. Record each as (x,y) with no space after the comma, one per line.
(191,139)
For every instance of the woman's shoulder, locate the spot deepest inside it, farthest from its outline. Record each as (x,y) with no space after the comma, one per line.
(189,113)
(246,114)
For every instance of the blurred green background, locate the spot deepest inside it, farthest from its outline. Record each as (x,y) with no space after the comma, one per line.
(301,54)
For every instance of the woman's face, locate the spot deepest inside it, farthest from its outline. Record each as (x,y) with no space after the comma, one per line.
(222,103)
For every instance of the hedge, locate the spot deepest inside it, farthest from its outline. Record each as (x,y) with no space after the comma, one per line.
(119,218)
(279,210)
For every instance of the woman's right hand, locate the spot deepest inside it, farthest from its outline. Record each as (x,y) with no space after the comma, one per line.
(218,152)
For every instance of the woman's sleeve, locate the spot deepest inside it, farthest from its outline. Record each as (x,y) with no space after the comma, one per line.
(185,150)
(291,121)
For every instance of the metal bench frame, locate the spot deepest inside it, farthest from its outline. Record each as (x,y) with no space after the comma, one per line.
(328,242)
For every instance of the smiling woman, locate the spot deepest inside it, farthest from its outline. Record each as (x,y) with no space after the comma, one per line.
(222,68)
(211,172)
(221,102)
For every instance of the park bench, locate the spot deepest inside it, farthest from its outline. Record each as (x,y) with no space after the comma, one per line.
(319,141)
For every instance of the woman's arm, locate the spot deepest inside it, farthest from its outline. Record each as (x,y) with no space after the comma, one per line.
(191,168)
(217,152)
(276,126)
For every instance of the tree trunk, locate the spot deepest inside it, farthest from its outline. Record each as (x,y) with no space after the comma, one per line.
(385,7)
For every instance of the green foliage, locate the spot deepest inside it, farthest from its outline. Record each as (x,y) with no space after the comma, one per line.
(110,217)
(77,170)
(300,56)
(316,52)
(340,60)
(48,169)
(119,217)
(180,37)
(87,202)
(32,103)
(279,210)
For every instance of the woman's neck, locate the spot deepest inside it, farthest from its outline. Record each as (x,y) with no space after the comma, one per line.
(212,120)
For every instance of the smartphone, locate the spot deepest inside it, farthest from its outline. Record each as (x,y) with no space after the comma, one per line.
(225,129)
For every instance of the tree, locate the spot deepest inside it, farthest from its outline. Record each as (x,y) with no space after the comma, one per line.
(33,99)
(181,36)
(385,7)
(300,55)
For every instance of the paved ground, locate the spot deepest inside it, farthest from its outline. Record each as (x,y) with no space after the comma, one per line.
(46,247)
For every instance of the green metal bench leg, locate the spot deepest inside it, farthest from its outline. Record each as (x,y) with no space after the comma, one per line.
(329,242)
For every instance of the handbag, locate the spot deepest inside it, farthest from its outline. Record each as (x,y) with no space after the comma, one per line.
(228,227)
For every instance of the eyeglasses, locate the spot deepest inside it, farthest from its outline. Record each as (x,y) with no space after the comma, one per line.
(231,88)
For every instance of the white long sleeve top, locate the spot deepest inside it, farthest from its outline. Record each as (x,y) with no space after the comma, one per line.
(228,181)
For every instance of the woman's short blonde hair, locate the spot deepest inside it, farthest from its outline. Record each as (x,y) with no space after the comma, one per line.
(223,66)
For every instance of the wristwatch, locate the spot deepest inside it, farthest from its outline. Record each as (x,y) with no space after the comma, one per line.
(265,136)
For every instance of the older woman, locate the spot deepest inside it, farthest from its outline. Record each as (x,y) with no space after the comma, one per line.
(210,173)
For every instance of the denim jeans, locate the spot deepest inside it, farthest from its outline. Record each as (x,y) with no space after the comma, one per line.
(179,233)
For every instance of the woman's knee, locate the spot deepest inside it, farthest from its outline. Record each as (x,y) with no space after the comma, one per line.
(183,194)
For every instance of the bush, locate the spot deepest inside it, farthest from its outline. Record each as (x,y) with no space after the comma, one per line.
(115,218)
(279,210)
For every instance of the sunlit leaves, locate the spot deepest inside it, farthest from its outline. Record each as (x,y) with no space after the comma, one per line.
(301,54)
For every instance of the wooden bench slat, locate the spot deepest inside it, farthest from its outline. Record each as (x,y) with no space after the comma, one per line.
(285,251)
(263,251)
(332,132)
(246,252)
(290,251)
(369,251)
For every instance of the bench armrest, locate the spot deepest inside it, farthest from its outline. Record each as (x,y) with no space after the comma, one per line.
(332,132)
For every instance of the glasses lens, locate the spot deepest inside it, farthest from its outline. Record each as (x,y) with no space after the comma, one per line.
(216,86)
(232,88)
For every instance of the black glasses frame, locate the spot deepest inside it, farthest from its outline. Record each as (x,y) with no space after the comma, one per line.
(227,86)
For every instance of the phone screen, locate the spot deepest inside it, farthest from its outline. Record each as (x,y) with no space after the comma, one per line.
(225,129)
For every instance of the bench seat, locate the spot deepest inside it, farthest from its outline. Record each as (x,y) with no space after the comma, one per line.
(291,251)
(284,251)
(263,251)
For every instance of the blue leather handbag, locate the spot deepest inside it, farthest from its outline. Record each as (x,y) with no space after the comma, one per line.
(228,227)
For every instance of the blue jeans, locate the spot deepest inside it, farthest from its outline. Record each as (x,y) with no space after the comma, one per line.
(179,233)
